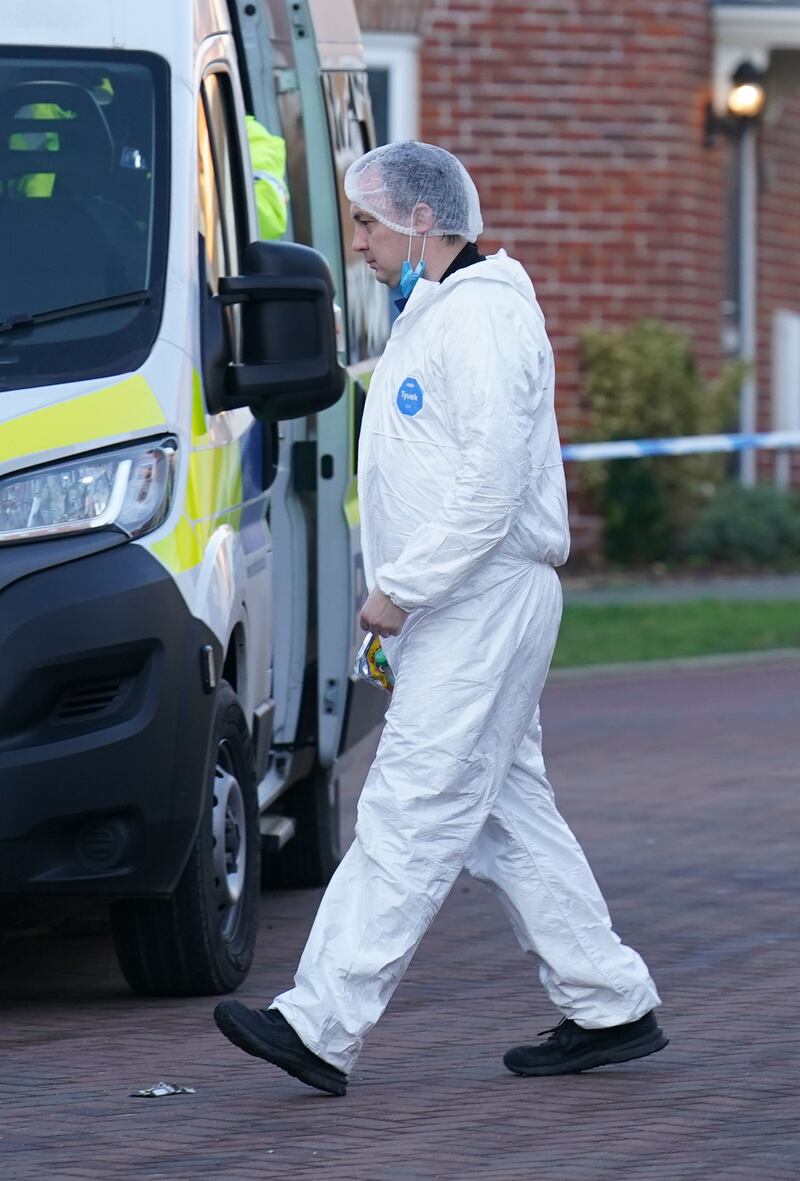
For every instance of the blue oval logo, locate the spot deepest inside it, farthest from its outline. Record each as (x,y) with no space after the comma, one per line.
(410,397)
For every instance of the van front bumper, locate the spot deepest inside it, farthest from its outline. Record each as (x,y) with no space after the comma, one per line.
(104,720)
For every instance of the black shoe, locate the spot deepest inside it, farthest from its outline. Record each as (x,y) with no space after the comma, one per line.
(571,1048)
(265,1033)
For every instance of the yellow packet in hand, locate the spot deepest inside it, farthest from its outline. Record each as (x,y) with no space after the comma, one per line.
(372,665)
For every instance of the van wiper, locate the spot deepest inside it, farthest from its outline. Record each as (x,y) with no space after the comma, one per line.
(29,319)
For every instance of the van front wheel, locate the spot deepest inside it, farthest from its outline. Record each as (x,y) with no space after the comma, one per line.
(200,941)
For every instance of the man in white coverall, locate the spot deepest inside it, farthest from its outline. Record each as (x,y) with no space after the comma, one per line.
(464,518)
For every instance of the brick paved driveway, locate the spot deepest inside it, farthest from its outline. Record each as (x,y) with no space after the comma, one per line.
(683,787)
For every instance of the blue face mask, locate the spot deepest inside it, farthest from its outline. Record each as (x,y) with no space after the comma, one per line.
(409,276)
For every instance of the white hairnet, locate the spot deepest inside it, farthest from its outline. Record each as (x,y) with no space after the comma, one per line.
(391,181)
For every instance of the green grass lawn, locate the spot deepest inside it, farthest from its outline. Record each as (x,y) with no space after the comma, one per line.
(660,631)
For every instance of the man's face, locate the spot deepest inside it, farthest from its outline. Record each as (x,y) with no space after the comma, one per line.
(384,250)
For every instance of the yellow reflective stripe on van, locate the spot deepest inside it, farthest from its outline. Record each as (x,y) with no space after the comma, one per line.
(104,414)
(213,495)
(181,549)
(351,510)
(200,435)
(213,498)
(215,481)
(184,547)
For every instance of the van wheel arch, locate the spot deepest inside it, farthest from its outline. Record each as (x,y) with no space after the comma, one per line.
(234,668)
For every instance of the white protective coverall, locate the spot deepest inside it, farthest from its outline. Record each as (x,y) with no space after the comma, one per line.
(463,508)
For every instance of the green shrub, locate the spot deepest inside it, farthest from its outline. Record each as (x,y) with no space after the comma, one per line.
(643,383)
(749,526)
(637,521)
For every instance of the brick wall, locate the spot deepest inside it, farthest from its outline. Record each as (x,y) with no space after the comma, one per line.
(582,124)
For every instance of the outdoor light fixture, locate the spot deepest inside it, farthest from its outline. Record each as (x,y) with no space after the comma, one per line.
(747,96)
(745,102)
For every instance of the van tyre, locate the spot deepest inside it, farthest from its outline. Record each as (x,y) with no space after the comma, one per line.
(200,941)
(312,854)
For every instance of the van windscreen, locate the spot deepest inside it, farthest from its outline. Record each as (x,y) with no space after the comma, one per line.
(84,187)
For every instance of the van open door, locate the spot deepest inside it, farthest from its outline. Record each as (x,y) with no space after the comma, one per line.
(305,77)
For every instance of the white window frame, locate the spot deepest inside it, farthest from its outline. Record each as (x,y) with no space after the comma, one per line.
(785,385)
(398,54)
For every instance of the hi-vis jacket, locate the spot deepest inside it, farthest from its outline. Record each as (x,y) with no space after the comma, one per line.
(460,473)
(268,160)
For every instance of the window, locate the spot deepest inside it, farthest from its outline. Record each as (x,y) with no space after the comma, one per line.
(221,205)
(210,218)
(84,192)
(785,384)
(393,71)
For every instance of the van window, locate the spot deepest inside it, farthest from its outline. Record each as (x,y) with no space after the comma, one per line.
(222,209)
(84,191)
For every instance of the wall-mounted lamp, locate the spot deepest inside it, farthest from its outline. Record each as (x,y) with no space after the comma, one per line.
(745,102)
(747,97)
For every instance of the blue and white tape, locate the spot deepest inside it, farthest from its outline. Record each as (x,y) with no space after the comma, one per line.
(687,445)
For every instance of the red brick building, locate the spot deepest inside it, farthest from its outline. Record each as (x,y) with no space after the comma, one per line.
(582,122)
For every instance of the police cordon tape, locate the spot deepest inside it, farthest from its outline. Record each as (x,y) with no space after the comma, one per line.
(685,445)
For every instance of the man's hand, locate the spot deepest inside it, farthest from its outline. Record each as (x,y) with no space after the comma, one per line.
(380,615)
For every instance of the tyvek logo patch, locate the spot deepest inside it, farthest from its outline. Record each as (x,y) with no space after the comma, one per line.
(410,397)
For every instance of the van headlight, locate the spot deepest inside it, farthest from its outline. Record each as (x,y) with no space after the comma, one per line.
(129,489)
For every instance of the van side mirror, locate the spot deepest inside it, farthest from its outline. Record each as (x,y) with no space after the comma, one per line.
(289,366)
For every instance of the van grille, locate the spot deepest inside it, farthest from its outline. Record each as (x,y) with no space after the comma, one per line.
(90,698)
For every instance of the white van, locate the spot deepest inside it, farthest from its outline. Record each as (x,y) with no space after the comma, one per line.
(180,572)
